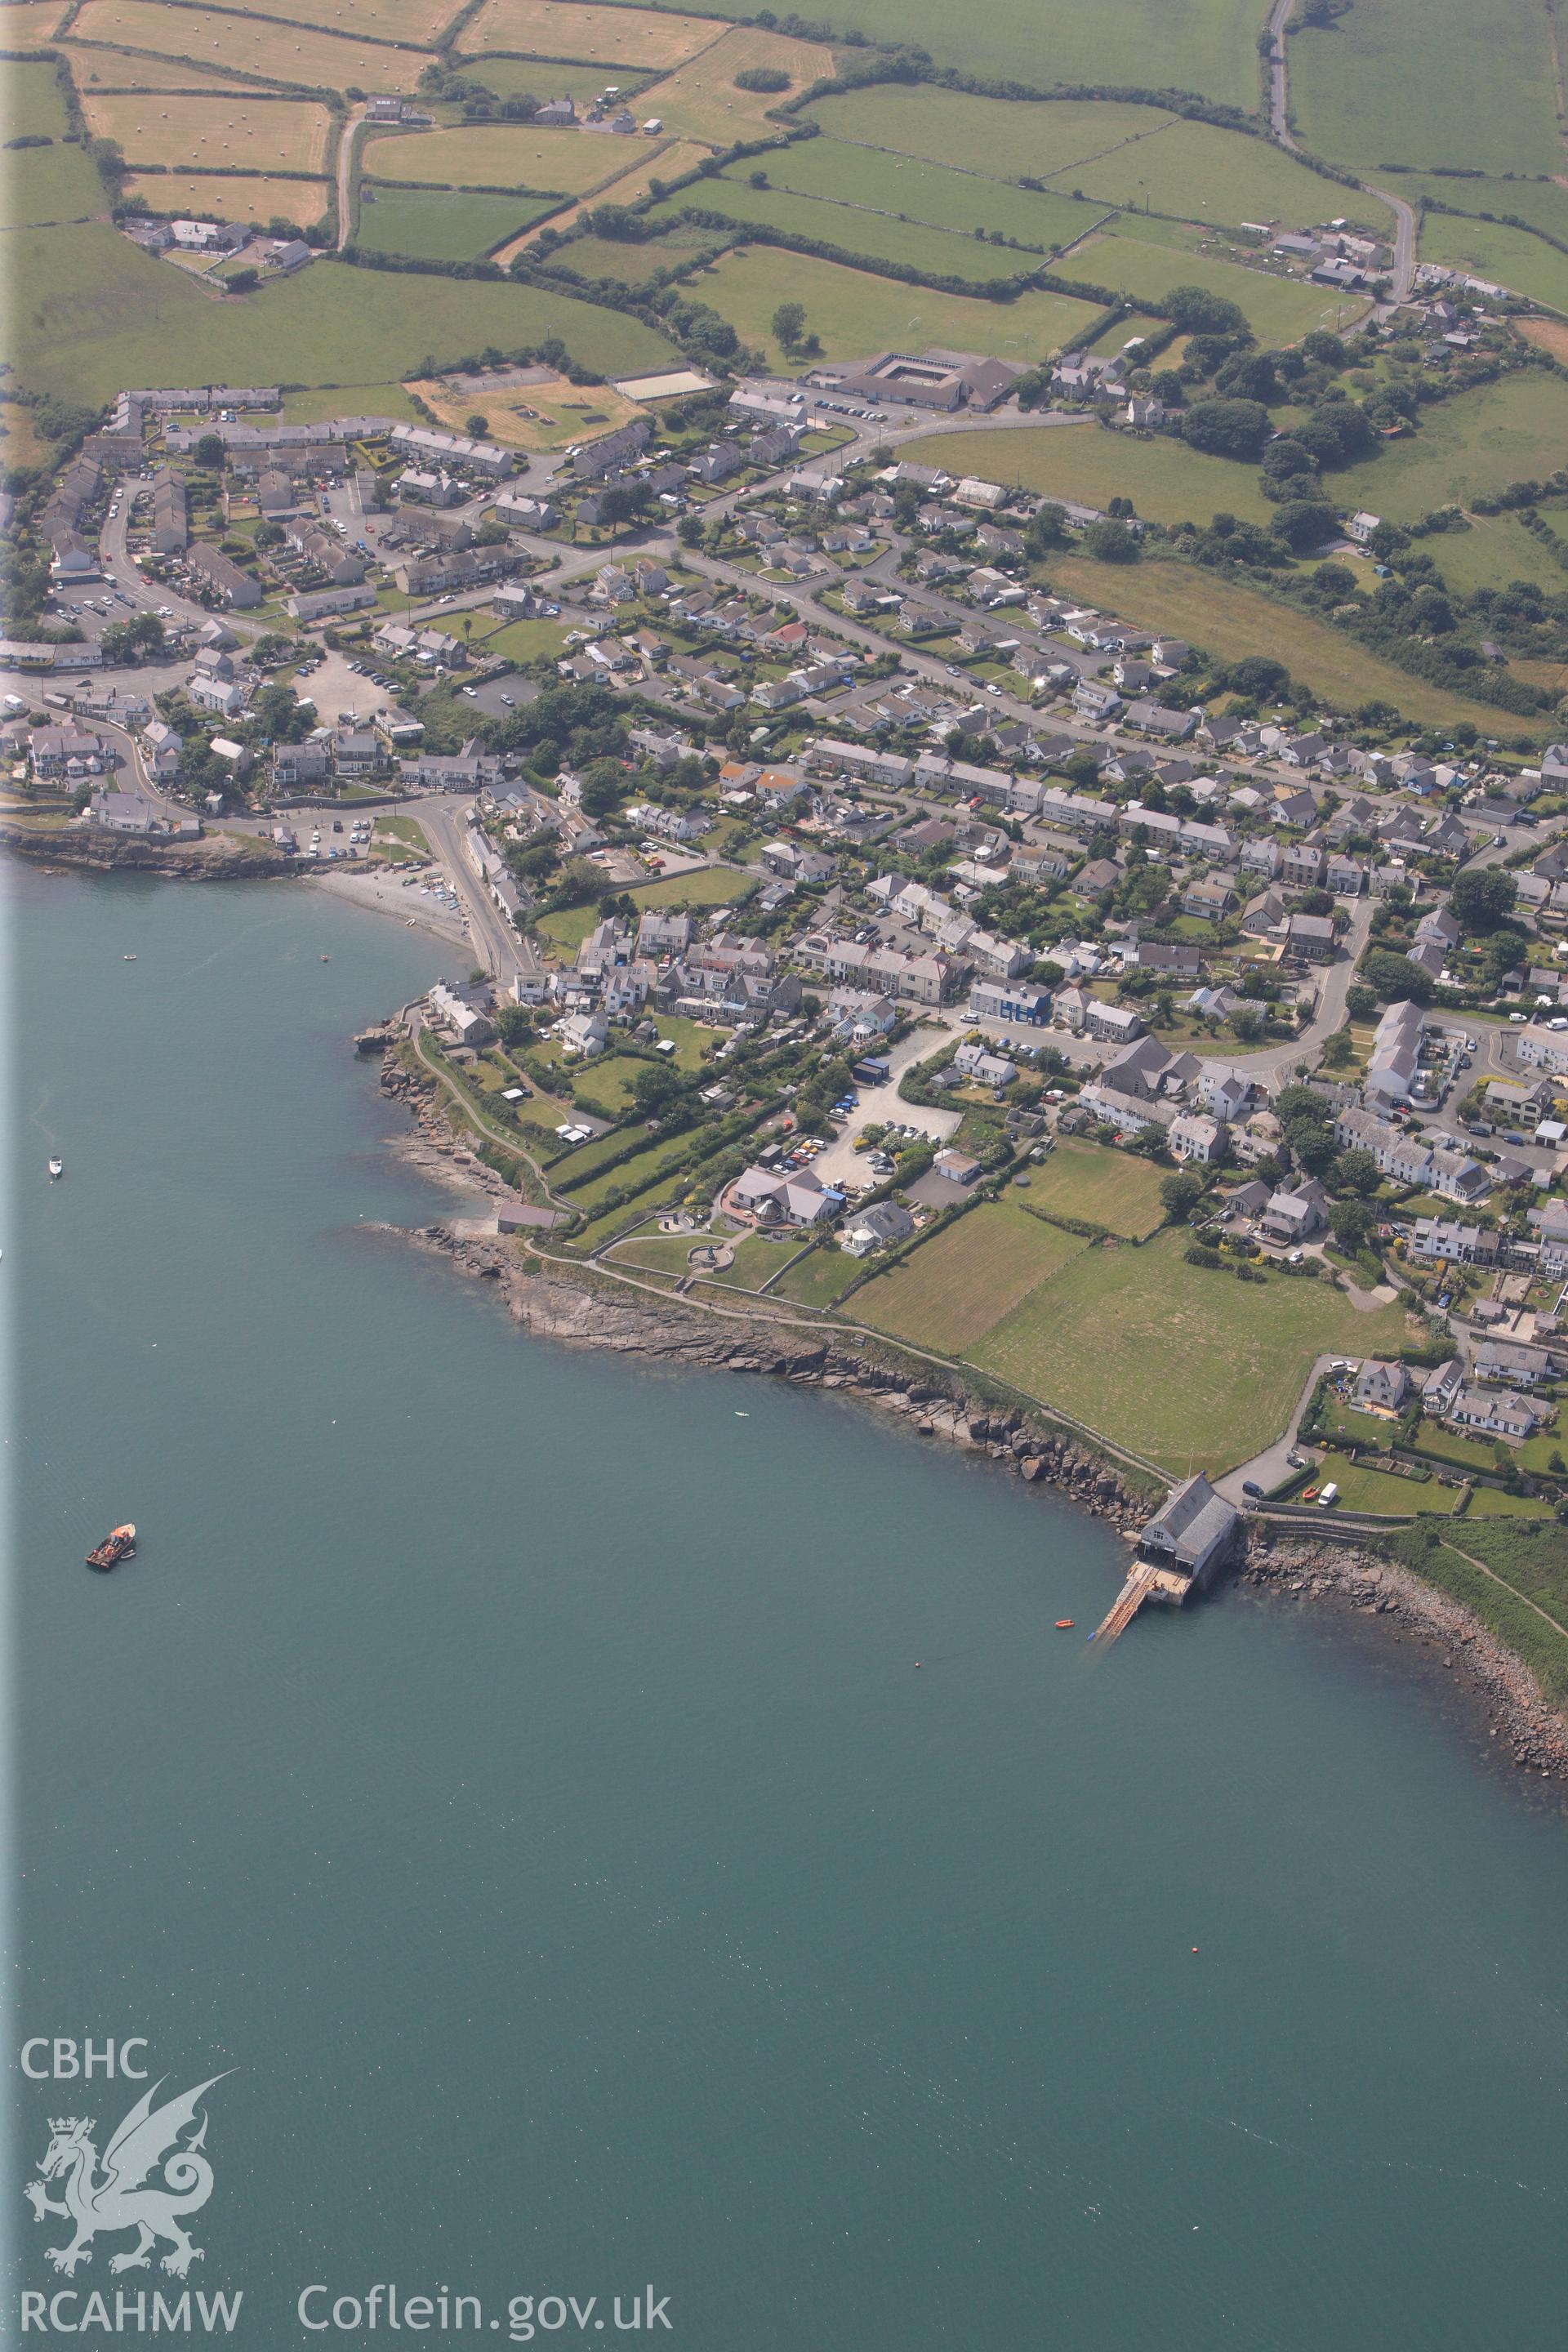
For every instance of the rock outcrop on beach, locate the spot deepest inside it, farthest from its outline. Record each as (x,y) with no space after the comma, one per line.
(217,857)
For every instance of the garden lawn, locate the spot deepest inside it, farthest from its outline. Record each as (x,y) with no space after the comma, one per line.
(430,225)
(591,36)
(1167,481)
(852,312)
(1232,620)
(658,1158)
(98,314)
(248,45)
(1473,84)
(1187,1366)
(1502,431)
(817,1280)
(526,641)
(948,1292)
(1099,1186)
(1363,1488)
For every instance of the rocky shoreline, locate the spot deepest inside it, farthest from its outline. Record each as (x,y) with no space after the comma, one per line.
(583,1309)
(217,857)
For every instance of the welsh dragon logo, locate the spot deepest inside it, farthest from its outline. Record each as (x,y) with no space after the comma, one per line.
(123,2195)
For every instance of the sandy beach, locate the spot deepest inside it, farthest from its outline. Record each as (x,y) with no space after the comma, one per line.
(381,895)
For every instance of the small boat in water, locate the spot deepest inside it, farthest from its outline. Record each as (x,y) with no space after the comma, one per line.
(57,1168)
(117,1544)
(1064,1624)
(128,958)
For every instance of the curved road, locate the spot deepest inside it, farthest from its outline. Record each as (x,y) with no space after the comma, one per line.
(1280,125)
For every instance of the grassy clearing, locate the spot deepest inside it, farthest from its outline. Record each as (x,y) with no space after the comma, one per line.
(593,257)
(880,237)
(499,156)
(47,183)
(1532,1562)
(431,225)
(418,23)
(1167,481)
(261,133)
(1197,173)
(948,1293)
(1227,617)
(98,314)
(1101,1186)
(854,312)
(1475,87)
(94,66)
(33,106)
(1279,310)
(833,171)
(1496,549)
(348,400)
(212,196)
(248,45)
(603,36)
(1501,432)
(700,99)
(1508,257)
(1180,1363)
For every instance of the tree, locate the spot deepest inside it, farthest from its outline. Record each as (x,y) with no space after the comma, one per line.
(1247,1022)
(1360,1003)
(242,281)
(1045,529)
(475,427)
(656,1089)
(789,324)
(1395,978)
(1483,898)
(1303,524)
(1111,543)
(1195,311)
(1352,1223)
(127,641)
(1179,1195)
(208,454)
(1338,1049)
(689,531)
(1356,1171)
(1227,428)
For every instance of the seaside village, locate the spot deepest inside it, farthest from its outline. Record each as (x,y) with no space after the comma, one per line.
(824,872)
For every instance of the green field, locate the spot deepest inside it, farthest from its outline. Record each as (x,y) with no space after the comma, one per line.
(1504,431)
(1278,309)
(528,77)
(1363,1488)
(602,256)
(1001,137)
(1195,171)
(433,224)
(710,885)
(499,156)
(47,183)
(1530,1558)
(657,1158)
(854,313)
(1229,618)
(1100,1187)
(526,641)
(1183,1365)
(35,107)
(1543,203)
(876,235)
(1496,549)
(950,1291)
(1508,257)
(863,177)
(1470,82)
(817,1280)
(99,313)
(1167,481)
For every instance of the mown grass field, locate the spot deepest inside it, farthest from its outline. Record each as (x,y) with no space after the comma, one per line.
(1179,1364)
(47,183)
(875,236)
(962,201)
(654,161)
(213,196)
(817,1280)
(1470,82)
(520,77)
(947,1293)
(1103,1187)
(1502,433)
(656,1161)
(250,45)
(97,68)
(854,312)
(1363,1488)
(30,26)
(1278,309)
(499,156)
(1229,618)
(98,314)
(348,400)
(1508,257)
(700,99)
(1195,171)
(1167,481)
(591,36)
(418,23)
(261,134)
(432,224)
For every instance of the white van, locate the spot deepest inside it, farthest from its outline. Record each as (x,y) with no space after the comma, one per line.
(1329,1498)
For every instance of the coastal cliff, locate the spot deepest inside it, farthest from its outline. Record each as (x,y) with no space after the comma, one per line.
(217,857)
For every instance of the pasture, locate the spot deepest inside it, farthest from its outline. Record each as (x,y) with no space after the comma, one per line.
(248,45)
(654,162)
(94,66)
(499,156)
(1278,309)
(602,256)
(856,230)
(947,1293)
(700,99)
(434,225)
(909,186)
(1167,481)
(855,313)
(99,313)
(527,78)
(1100,1187)
(1183,1365)
(205,196)
(1474,85)
(1504,431)
(1195,171)
(1494,551)
(34,105)
(590,35)
(257,132)
(1508,257)
(1007,138)
(1543,203)
(1229,618)
(47,183)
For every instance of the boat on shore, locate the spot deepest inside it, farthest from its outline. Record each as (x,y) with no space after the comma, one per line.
(118,1545)
(57,1168)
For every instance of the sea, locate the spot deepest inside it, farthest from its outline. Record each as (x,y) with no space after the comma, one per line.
(629,1852)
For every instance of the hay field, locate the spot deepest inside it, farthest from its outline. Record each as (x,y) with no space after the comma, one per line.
(855,313)
(213,196)
(255,132)
(700,99)
(610,37)
(419,22)
(95,66)
(31,27)
(251,45)
(500,155)
(664,160)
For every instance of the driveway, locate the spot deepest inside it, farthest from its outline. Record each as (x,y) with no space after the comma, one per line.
(1272,1466)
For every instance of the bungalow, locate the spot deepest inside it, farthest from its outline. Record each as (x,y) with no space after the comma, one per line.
(770,1198)
(874,1228)
(1510,1417)
(985,1069)
(1511,1363)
